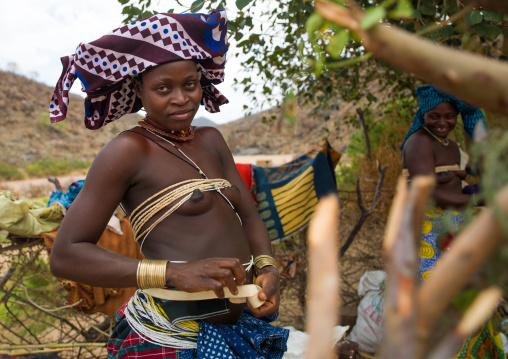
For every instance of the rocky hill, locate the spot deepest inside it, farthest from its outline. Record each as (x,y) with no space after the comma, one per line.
(26,134)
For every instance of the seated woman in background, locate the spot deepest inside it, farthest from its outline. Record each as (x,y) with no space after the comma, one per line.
(191,213)
(428,150)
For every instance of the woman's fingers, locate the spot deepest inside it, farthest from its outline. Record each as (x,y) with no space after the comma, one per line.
(208,274)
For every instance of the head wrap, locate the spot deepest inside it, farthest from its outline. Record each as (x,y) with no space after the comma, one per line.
(430,97)
(106,66)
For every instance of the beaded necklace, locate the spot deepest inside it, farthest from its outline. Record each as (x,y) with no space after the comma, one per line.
(444,142)
(183,135)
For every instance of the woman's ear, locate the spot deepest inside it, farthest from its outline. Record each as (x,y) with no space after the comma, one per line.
(138,87)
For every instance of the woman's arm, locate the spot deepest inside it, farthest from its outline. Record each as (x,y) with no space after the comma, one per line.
(257,235)
(75,254)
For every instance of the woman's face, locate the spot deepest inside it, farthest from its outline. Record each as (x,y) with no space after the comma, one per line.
(171,94)
(441,120)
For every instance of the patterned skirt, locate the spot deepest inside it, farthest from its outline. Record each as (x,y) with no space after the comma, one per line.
(248,338)
(438,231)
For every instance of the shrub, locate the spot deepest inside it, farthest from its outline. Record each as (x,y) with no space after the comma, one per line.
(9,172)
(53,167)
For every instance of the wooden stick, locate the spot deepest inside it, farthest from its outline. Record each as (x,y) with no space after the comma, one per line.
(468,252)
(323,302)
(50,346)
(474,78)
(401,264)
(496,5)
(481,309)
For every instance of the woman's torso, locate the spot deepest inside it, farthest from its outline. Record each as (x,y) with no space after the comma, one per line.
(450,180)
(204,226)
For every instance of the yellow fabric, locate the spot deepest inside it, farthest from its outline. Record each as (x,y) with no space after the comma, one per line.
(24,218)
(485,343)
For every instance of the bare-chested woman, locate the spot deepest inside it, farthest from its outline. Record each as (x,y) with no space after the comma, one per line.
(167,64)
(428,150)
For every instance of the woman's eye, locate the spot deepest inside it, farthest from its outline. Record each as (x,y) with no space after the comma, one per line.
(190,85)
(163,88)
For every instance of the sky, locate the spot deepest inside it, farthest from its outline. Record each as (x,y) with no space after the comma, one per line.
(33,40)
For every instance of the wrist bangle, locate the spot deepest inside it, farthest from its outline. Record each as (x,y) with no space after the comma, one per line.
(151,273)
(264,261)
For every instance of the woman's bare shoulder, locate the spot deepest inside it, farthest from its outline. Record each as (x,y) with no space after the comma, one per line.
(121,155)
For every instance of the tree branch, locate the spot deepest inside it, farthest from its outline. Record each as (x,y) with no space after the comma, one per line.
(360,113)
(476,79)
(496,5)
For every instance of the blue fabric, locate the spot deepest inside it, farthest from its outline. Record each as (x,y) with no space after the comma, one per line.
(249,338)
(287,195)
(66,199)
(430,96)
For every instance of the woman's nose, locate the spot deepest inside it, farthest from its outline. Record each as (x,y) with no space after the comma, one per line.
(179,97)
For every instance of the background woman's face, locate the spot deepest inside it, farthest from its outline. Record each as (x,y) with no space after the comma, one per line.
(441,120)
(171,94)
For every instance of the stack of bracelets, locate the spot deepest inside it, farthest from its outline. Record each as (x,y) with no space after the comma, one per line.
(151,273)
(263,261)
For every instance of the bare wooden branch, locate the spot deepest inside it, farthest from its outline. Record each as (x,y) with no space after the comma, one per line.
(469,251)
(5,277)
(379,187)
(475,316)
(401,255)
(496,5)
(360,113)
(365,212)
(323,303)
(14,247)
(476,79)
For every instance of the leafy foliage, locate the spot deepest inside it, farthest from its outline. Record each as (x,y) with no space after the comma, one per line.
(386,133)
(290,49)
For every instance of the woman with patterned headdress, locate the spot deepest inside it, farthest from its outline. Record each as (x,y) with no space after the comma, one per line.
(428,150)
(191,214)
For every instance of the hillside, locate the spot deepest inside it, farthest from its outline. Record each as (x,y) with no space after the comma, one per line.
(27,134)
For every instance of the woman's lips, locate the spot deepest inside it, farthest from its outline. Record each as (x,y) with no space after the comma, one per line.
(182,115)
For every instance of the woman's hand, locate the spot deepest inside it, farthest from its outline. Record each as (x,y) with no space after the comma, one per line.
(206,274)
(269,280)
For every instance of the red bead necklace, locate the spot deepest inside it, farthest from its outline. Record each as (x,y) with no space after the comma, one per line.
(183,135)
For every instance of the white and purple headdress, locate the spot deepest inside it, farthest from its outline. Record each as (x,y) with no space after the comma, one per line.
(106,66)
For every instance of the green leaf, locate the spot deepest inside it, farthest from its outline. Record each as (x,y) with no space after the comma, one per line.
(238,36)
(123,2)
(492,16)
(240,4)
(403,9)
(372,17)
(337,43)
(371,97)
(314,22)
(474,17)
(428,9)
(197,5)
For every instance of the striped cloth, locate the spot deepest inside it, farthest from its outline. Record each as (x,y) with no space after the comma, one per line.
(288,195)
